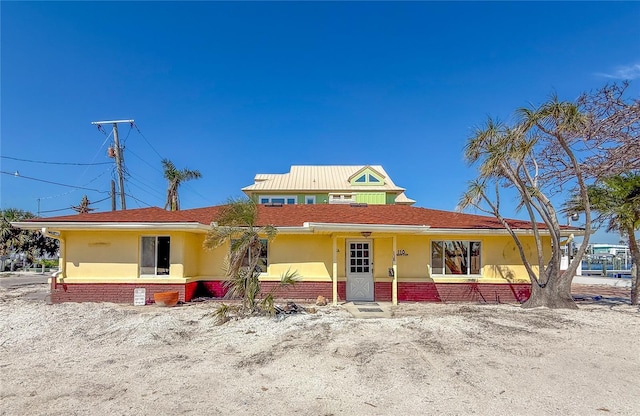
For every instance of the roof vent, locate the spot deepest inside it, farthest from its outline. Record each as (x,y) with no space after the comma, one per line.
(273,205)
(359,205)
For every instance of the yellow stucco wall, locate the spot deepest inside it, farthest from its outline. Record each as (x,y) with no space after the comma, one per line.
(108,256)
(211,263)
(309,255)
(114,256)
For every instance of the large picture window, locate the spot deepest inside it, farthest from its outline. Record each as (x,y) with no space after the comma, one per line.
(155,256)
(456,257)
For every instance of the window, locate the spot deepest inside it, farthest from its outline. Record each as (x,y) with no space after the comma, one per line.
(310,200)
(359,258)
(155,256)
(264,255)
(367,178)
(342,198)
(289,200)
(456,257)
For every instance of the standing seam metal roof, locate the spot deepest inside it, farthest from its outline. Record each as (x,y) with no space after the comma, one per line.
(319,178)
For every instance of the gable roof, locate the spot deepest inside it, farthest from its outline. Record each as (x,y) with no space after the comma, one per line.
(320,178)
(365,169)
(302,216)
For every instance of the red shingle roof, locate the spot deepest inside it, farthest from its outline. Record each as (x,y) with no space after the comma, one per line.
(297,215)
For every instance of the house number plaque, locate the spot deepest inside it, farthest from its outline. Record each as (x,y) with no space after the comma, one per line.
(401,253)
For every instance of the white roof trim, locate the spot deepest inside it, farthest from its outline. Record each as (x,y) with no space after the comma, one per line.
(63,226)
(306,228)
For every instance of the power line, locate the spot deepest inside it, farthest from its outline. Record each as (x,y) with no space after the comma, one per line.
(53,183)
(145,139)
(139,200)
(54,210)
(55,163)
(147,163)
(149,190)
(68,209)
(73,190)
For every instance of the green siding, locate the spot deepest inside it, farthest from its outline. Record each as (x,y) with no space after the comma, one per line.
(320,198)
(391,199)
(371,198)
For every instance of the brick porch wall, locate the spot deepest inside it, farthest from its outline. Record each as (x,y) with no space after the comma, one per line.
(116,292)
(407,292)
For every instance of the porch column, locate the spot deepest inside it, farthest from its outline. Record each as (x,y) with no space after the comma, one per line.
(334,273)
(394,281)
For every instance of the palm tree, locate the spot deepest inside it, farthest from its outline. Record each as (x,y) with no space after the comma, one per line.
(616,199)
(517,157)
(175,177)
(14,240)
(237,223)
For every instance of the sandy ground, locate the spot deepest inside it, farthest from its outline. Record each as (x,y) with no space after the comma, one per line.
(440,359)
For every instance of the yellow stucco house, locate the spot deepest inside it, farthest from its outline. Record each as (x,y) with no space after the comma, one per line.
(344,250)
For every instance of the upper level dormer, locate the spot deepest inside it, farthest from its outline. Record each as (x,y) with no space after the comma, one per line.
(327,185)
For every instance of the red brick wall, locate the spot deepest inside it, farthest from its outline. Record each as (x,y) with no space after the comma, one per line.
(116,292)
(301,290)
(407,292)
(382,291)
(464,292)
(214,289)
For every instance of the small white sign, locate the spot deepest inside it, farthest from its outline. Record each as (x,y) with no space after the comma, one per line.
(139,296)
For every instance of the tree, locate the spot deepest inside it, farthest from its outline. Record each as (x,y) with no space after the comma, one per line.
(612,136)
(174,178)
(557,147)
(616,199)
(83,208)
(32,244)
(523,157)
(236,223)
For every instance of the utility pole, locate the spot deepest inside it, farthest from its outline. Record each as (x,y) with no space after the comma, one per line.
(118,156)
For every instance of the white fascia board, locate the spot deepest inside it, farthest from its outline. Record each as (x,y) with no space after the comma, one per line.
(387,228)
(294,230)
(499,231)
(107,226)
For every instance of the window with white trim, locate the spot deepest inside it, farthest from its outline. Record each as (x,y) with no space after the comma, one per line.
(155,256)
(456,257)
(310,199)
(279,199)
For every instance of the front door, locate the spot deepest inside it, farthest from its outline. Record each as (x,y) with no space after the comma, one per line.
(359,271)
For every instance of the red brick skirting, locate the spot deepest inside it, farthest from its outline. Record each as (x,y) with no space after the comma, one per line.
(116,292)
(464,292)
(407,292)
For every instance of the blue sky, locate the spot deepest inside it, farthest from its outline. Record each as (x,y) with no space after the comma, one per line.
(235,89)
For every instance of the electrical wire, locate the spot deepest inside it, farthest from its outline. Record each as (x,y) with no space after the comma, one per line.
(138,200)
(53,183)
(69,209)
(147,163)
(55,210)
(128,133)
(145,139)
(55,163)
(151,191)
(73,190)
